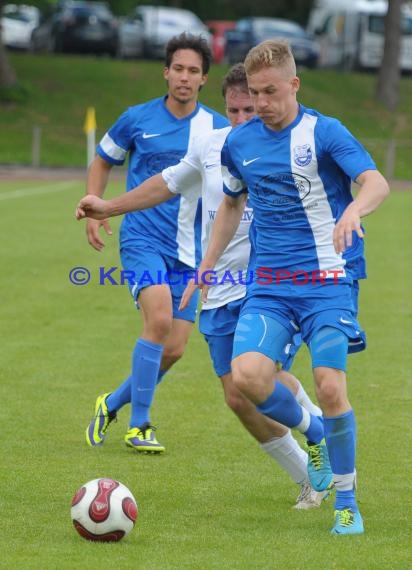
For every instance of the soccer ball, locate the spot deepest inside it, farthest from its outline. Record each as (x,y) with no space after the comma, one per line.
(103,510)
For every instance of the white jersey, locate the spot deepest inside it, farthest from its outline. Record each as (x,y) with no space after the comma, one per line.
(202,164)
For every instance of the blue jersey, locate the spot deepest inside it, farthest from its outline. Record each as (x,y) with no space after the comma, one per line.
(299,184)
(154,140)
(354,256)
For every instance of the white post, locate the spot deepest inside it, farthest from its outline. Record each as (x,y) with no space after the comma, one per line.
(35,149)
(91,146)
(390,159)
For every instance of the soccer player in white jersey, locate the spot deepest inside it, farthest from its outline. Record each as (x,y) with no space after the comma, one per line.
(296,167)
(154,135)
(218,317)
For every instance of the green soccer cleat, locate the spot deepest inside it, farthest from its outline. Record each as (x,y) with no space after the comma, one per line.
(143,439)
(348,522)
(319,470)
(95,433)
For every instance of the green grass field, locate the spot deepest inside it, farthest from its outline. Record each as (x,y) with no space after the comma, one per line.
(214,500)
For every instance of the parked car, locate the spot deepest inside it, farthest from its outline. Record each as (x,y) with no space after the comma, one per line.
(148,29)
(131,36)
(351,34)
(218,28)
(251,31)
(78,26)
(17,25)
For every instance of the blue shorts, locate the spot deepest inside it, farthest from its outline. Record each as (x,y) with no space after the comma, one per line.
(218,327)
(292,348)
(220,350)
(355,295)
(268,324)
(220,321)
(145,266)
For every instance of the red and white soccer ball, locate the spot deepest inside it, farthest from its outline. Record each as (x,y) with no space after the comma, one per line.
(104,510)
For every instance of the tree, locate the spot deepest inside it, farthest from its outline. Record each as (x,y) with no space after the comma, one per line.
(387,90)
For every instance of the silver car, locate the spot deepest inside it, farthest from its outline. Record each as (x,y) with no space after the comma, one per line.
(147,30)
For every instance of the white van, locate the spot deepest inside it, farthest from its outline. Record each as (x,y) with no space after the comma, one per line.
(351,33)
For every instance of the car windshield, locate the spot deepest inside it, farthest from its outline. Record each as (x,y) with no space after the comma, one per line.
(180,19)
(186,22)
(268,28)
(85,9)
(20,15)
(377,25)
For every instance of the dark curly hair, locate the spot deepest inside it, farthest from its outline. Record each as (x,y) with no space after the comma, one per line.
(189,41)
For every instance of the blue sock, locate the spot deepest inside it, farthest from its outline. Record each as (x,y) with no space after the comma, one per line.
(122,395)
(160,376)
(283,407)
(346,499)
(145,369)
(340,435)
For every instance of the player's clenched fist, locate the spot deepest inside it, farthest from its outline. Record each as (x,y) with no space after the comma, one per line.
(92,207)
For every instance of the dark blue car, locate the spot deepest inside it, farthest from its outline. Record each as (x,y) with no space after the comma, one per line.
(78,26)
(251,31)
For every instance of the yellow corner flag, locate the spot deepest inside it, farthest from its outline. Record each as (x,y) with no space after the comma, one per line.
(90,121)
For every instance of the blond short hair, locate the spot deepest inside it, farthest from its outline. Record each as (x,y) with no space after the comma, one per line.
(271,53)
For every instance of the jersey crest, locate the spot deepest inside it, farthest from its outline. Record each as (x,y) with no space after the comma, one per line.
(302,155)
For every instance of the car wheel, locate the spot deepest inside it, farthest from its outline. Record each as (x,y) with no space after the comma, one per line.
(120,53)
(55,44)
(31,48)
(147,52)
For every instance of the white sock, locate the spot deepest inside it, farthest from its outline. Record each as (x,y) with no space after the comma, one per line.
(288,453)
(306,402)
(345,482)
(304,424)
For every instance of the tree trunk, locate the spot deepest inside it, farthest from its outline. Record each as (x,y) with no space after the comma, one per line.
(387,90)
(8,76)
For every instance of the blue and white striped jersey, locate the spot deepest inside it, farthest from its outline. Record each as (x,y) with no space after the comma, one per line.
(154,140)
(299,184)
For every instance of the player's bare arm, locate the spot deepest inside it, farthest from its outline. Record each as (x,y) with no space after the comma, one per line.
(97,179)
(92,207)
(98,176)
(373,191)
(151,192)
(227,220)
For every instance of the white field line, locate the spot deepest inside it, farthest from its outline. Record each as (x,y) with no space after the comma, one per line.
(24,192)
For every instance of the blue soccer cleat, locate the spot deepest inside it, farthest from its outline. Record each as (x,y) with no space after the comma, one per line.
(348,522)
(319,470)
(96,430)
